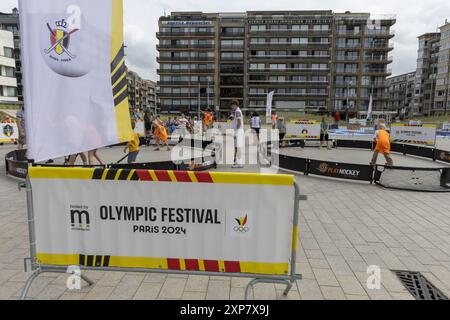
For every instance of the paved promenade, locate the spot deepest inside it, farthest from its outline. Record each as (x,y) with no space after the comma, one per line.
(344,228)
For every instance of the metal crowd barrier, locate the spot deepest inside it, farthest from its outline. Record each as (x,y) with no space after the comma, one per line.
(288,278)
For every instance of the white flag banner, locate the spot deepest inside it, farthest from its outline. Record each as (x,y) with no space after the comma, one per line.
(269,107)
(75,85)
(369,110)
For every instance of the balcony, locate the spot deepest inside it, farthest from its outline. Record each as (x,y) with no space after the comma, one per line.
(347,70)
(380,59)
(289,31)
(232,47)
(299,94)
(348,33)
(289,57)
(183,59)
(232,34)
(185,46)
(375,46)
(232,59)
(348,45)
(289,44)
(168,71)
(347,58)
(184,34)
(380,33)
(290,70)
(377,71)
(288,82)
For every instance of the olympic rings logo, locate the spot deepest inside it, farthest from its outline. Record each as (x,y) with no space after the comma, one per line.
(241,229)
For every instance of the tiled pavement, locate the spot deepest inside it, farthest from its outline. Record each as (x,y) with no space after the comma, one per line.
(344,228)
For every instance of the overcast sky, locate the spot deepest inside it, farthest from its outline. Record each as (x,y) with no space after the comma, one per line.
(141,22)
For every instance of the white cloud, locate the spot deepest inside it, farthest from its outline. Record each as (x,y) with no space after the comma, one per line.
(141,22)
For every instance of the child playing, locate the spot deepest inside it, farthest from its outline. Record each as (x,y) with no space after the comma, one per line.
(133,146)
(160,134)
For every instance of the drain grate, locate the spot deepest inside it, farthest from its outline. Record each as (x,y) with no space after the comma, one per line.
(419,286)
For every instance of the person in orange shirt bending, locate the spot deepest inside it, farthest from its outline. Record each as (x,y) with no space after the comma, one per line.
(208,119)
(383,140)
(160,134)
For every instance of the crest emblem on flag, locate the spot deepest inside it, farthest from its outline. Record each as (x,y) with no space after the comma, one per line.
(63,43)
(60,38)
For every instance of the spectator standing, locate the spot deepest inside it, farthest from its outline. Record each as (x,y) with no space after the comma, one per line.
(274,120)
(256,124)
(148,127)
(324,133)
(93,155)
(281,126)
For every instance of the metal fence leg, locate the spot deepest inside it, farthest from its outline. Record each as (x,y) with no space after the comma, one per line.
(249,288)
(252,284)
(29,282)
(288,289)
(89,281)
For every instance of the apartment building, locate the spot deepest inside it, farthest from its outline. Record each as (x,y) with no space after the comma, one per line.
(426,71)
(401,93)
(314,61)
(10,22)
(8,82)
(141,93)
(442,99)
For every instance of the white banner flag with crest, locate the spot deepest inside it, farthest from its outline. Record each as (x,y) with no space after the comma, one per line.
(269,107)
(75,85)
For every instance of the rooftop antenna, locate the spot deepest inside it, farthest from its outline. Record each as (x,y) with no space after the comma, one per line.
(164,12)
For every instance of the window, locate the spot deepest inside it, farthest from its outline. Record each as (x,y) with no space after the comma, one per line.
(258,41)
(278,27)
(302,27)
(7,72)
(278,40)
(279,66)
(8,52)
(6,91)
(322,27)
(299,40)
(258,27)
(257,66)
(232,43)
(320,66)
(232,55)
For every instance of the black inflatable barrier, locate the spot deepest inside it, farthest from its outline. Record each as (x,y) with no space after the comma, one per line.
(442,155)
(445,178)
(341,170)
(356,144)
(293,163)
(371,174)
(397,147)
(418,151)
(16,163)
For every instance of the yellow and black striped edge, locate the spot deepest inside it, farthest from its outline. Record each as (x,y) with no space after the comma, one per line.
(160,176)
(412,126)
(429,143)
(119,74)
(98,261)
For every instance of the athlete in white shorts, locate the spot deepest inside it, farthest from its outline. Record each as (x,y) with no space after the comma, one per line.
(239,135)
